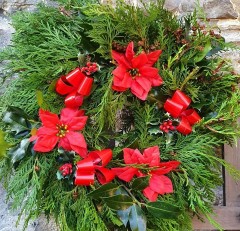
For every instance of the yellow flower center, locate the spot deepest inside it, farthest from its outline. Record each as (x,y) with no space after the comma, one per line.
(62,130)
(134,72)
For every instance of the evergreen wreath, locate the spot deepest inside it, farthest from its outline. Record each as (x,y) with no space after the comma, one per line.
(144,100)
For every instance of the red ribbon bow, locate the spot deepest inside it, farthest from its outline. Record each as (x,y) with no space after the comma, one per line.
(177,107)
(75,85)
(94,164)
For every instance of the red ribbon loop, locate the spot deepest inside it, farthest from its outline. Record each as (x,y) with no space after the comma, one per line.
(75,85)
(177,106)
(94,164)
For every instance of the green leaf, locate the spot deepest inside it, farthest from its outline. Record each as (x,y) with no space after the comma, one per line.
(18,152)
(3,145)
(18,121)
(169,138)
(201,55)
(119,202)
(124,215)
(59,175)
(154,130)
(140,183)
(39,96)
(162,209)
(137,219)
(103,191)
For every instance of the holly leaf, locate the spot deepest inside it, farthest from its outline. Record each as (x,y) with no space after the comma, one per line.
(124,215)
(18,121)
(201,55)
(118,202)
(140,183)
(18,152)
(59,175)
(169,137)
(163,210)
(3,145)
(135,216)
(103,191)
(137,219)
(154,130)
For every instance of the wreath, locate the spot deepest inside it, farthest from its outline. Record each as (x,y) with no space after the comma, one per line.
(116,116)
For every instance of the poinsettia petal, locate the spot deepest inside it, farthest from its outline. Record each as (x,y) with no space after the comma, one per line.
(32,138)
(162,170)
(132,156)
(166,167)
(46,131)
(67,114)
(117,56)
(77,143)
(170,164)
(80,113)
(140,174)
(144,82)
(156,81)
(120,89)
(45,143)
(138,91)
(125,81)
(48,119)
(129,51)
(126,173)
(150,194)
(127,153)
(161,184)
(139,61)
(153,57)
(82,151)
(119,71)
(64,143)
(148,72)
(77,123)
(152,156)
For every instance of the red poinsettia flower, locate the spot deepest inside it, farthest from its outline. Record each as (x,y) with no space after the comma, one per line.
(136,72)
(61,130)
(159,183)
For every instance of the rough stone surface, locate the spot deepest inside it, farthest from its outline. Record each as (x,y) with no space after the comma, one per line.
(213,8)
(8,219)
(5,31)
(10,6)
(219,9)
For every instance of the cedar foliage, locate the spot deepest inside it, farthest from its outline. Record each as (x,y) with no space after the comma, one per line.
(49,43)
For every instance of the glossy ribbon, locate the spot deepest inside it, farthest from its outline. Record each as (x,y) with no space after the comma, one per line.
(177,107)
(93,165)
(75,85)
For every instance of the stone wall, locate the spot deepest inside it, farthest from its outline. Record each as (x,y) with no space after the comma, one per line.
(224,15)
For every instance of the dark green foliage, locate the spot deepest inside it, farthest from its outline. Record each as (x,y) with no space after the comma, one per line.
(53,41)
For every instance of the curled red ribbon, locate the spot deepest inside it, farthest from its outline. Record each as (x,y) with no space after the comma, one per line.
(94,164)
(177,107)
(75,85)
